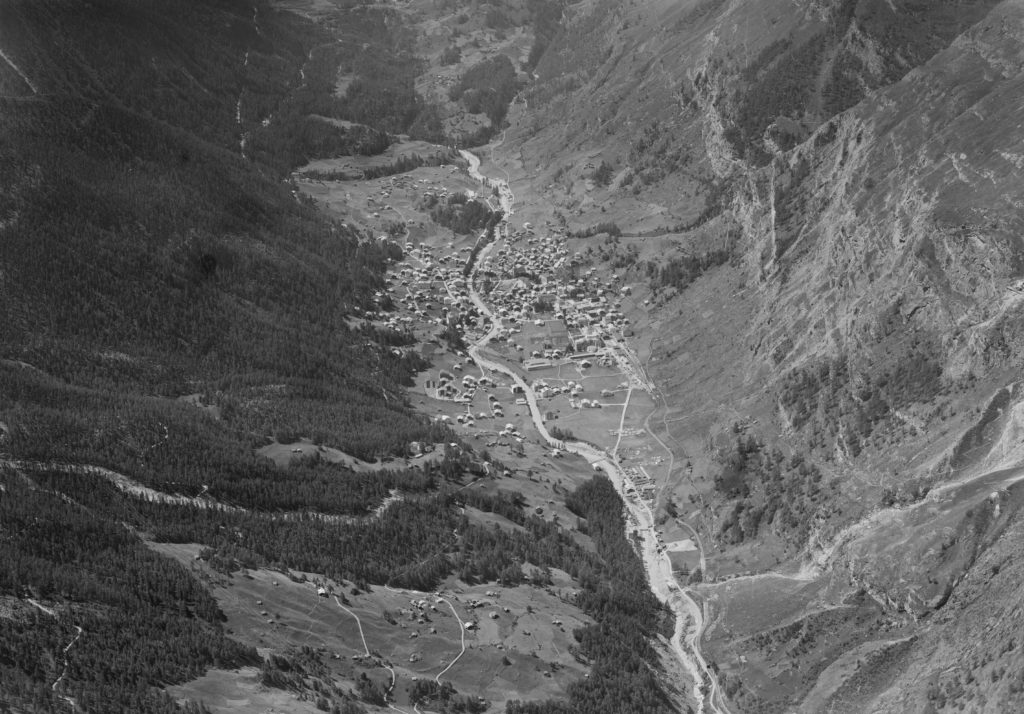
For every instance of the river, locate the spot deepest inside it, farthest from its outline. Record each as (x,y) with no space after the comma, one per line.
(689,616)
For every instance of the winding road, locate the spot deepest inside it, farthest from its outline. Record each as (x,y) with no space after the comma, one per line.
(462,634)
(366,649)
(689,616)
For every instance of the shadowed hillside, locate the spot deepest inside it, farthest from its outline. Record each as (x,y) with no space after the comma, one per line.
(168,305)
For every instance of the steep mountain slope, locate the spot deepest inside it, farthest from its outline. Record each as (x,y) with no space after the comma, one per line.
(204,256)
(822,199)
(897,218)
(167,306)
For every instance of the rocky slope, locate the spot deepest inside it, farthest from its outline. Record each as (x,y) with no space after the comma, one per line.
(856,161)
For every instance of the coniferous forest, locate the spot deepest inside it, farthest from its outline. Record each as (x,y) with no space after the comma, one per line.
(166,307)
(71,538)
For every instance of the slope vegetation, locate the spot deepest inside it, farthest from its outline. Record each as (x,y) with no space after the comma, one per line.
(168,305)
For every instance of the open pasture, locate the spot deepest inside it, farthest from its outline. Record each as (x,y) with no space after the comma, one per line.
(517,639)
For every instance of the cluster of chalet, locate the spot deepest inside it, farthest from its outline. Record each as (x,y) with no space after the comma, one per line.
(532,279)
(430,289)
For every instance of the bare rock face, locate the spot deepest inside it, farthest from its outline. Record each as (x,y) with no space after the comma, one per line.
(908,198)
